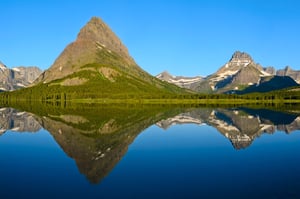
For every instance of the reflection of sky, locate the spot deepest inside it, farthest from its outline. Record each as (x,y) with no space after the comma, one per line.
(26,139)
(194,161)
(187,136)
(33,165)
(185,161)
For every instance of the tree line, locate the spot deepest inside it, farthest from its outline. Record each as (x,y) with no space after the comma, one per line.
(45,93)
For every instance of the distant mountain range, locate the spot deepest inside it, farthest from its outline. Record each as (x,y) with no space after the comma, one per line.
(17,77)
(239,75)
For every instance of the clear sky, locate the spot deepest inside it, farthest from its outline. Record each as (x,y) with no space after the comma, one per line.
(184,37)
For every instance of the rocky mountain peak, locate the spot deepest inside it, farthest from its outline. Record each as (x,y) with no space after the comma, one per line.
(164,76)
(237,61)
(241,58)
(97,31)
(95,43)
(241,55)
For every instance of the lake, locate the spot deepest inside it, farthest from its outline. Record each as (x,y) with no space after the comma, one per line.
(129,151)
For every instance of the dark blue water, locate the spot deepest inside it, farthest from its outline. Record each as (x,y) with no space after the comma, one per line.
(184,161)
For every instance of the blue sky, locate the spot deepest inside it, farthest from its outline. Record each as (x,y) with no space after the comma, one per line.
(184,37)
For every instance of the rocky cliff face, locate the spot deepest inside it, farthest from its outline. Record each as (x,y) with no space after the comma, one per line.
(24,76)
(18,77)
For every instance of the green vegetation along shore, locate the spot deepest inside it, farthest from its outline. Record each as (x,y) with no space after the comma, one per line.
(62,95)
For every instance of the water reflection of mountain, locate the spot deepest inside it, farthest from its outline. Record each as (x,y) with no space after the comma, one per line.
(97,137)
(17,121)
(240,126)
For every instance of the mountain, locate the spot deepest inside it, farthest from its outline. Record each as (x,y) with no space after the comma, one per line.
(239,75)
(17,77)
(240,72)
(98,63)
(181,81)
(287,71)
(95,43)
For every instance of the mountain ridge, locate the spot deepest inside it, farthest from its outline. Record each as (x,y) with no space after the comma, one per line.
(239,73)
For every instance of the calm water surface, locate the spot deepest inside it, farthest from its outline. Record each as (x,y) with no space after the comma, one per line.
(147,153)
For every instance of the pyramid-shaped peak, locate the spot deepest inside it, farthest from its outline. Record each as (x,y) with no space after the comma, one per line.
(95,43)
(93,28)
(100,33)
